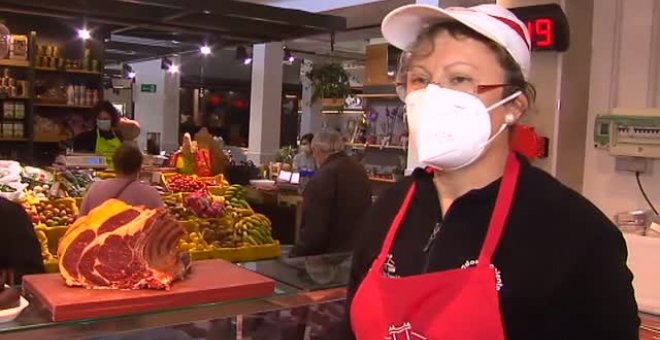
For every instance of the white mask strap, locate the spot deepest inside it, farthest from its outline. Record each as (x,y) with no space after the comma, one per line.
(502,128)
(504,101)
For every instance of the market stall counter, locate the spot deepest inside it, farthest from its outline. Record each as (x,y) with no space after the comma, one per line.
(300,283)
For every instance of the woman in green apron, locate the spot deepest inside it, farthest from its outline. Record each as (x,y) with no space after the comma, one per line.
(106,137)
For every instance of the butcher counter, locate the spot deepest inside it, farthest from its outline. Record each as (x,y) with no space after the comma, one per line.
(308,298)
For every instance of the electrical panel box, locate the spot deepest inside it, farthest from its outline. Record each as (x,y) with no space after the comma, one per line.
(629,132)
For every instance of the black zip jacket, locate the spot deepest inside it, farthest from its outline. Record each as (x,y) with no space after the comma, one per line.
(19,247)
(562,263)
(334,202)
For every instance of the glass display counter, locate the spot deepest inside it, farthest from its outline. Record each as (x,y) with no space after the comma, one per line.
(308,300)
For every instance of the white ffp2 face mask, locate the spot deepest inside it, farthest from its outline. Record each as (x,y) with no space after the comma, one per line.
(451,129)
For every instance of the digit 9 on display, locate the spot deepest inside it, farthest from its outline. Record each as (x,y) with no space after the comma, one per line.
(547,26)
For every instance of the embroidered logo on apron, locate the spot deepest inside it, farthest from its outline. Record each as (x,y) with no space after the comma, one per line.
(389,268)
(498,274)
(403,332)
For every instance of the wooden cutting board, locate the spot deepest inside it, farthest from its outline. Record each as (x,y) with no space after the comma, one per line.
(209,281)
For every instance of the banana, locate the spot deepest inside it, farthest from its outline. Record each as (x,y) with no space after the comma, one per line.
(257,236)
(251,240)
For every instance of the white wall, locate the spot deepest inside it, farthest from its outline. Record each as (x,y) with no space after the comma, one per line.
(157,112)
(120,96)
(624,73)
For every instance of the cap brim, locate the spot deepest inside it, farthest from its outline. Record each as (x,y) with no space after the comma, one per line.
(402,26)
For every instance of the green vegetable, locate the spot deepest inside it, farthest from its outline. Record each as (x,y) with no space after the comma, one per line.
(6,188)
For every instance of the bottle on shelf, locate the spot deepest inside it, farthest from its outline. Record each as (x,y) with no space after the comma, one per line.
(88,97)
(95,97)
(70,95)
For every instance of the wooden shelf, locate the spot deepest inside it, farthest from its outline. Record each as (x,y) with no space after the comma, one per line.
(13,139)
(38,139)
(74,71)
(63,105)
(382,180)
(13,98)
(376,146)
(14,63)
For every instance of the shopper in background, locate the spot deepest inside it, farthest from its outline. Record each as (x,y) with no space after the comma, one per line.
(334,200)
(126,186)
(303,160)
(480,244)
(19,248)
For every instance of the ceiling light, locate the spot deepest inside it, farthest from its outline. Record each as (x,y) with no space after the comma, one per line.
(84,34)
(289,57)
(173,69)
(131,75)
(243,56)
(205,50)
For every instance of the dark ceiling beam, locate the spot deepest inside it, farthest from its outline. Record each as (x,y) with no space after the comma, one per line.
(117,15)
(142,49)
(171,17)
(241,26)
(191,39)
(255,11)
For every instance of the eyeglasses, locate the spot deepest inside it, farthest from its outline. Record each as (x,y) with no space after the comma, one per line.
(461,84)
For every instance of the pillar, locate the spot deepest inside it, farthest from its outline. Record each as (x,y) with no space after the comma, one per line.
(311,119)
(157,111)
(265,102)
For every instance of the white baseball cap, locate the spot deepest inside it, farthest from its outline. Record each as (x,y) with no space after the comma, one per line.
(402,26)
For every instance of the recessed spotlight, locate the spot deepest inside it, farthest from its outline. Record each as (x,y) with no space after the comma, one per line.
(84,34)
(205,50)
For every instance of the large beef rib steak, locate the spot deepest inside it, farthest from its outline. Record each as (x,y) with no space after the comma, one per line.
(117,246)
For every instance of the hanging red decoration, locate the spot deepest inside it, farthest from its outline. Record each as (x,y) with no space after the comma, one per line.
(214,100)
(527,142)
(239,104)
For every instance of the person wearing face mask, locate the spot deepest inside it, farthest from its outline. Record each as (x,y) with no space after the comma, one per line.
(334,200)
(303,160)
(479,244)
(107,136)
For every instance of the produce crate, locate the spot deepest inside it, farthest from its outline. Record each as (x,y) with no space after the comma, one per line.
(67,202)
(216,190)
(52,266)
(53,234)
(193,226)
(166,178)
(220,179)
(243,254)
(178,197)
(248,254)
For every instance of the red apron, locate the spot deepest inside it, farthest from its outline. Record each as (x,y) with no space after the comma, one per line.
(451,304)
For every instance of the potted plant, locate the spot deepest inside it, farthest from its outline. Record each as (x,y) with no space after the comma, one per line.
(331,84)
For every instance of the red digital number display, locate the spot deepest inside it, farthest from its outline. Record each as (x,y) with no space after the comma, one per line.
(541,32)
(547,26)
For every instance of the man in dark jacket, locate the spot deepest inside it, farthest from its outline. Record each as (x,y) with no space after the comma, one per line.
(19,248)
(334,200)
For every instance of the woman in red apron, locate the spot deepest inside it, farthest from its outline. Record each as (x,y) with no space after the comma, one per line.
(464,80)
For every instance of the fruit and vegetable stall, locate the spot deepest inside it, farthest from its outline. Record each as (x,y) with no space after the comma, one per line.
(218,220)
